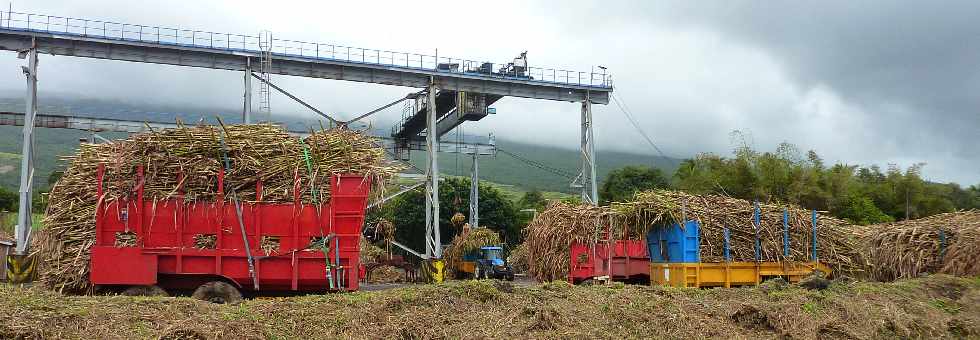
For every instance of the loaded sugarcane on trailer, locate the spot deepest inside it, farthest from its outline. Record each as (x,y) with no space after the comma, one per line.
(671,255)
(220,248)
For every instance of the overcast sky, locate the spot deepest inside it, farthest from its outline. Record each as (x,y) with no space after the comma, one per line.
(860,82)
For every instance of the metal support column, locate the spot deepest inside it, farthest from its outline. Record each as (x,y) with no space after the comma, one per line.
(590,191)
(433,246)
(433,242)
(475,193)
(23,228)
(247,111)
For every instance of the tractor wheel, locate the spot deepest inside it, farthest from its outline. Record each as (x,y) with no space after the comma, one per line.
(218,292)
(477,273)
(151,290)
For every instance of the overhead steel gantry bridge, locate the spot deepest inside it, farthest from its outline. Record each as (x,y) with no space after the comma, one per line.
(458,89)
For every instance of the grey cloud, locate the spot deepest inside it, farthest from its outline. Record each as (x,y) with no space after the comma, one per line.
(860,82)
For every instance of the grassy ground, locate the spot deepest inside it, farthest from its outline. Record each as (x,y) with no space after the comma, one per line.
(932,307)
(9,219)
(514,193)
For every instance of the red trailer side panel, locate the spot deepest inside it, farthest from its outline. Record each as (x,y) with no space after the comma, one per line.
(629,260)
(165,232)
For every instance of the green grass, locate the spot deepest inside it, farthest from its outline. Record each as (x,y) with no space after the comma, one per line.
(514,193)
(9,156)
(9,219)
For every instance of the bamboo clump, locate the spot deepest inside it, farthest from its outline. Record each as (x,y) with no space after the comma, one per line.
(910,248)
(258,152)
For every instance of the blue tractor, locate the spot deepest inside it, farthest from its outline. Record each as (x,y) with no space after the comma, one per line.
(486,264)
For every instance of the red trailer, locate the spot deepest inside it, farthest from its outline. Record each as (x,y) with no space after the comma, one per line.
(630,262)
(294,247)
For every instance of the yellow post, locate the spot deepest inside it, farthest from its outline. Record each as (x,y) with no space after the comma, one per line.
(20,268)
(437,274)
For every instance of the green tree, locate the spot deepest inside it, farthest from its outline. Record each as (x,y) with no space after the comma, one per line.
(621,184)
(407,212)
(860,194)
(861,210)
(8,200)
(532,200)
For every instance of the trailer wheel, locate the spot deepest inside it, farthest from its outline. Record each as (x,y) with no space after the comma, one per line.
(218,292)
(477,273)
(151,290)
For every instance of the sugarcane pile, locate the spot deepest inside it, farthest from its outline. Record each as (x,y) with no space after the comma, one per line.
(945,243)
(836,240)
(518,258)
(184,163)
(467,241)
(549,236)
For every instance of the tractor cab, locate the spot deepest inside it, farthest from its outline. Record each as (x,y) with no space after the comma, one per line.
(493,255)
(487,263)
(491,265)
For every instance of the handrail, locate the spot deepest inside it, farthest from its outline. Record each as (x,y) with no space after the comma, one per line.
(42,23)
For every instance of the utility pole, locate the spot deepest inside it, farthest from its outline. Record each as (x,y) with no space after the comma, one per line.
(475,192)
(907,202)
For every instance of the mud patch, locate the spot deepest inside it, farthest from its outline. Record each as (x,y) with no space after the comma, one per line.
(543,319)
(752,318)
(503,286)
(19,334)
(182,334)
(961,329)
(833,331)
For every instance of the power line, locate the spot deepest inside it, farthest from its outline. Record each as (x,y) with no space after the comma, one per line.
(538,165)
(626,112)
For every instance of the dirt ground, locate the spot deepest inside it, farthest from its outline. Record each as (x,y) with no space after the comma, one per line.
(931,307)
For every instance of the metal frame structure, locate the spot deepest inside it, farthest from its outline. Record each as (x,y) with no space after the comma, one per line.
(433,241)
(55,35)
(22,230)
(92,124)
(78,37)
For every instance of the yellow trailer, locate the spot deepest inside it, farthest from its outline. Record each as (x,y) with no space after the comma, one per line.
(729,274)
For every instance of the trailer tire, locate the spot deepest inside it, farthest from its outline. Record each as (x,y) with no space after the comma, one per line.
(477,273)
(151,290)
(218,292)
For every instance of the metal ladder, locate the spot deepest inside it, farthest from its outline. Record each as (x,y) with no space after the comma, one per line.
(265,67)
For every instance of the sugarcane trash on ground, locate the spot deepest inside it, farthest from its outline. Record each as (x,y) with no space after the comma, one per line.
(945,243)
(934,307)
(183,163)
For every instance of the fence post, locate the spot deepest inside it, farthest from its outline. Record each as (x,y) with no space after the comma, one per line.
(758,225)
(942,244)
(728,254)
(813,216)
(785,233)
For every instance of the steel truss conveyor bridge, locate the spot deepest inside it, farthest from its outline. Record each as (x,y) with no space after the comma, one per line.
(460,89)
